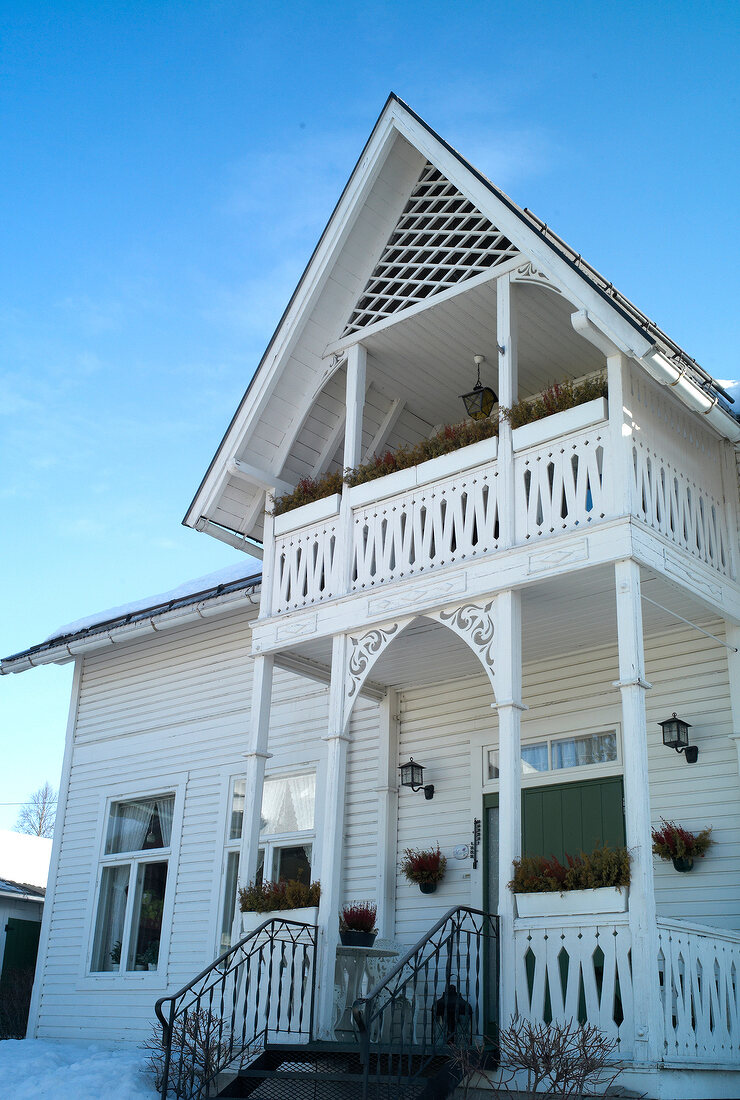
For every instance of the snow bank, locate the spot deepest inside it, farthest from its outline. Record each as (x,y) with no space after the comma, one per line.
(248,567)
(37,1069)
(24,858)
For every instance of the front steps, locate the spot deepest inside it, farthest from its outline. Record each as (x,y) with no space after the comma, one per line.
(332,1071)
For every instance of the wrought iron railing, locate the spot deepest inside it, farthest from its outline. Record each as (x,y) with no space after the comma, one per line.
(260,989)
(440,997)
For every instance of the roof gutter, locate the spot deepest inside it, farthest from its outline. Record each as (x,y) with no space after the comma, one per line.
(83,643)
(693,396)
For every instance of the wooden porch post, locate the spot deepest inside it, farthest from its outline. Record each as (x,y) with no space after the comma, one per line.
(330,866)
(256,756)
(387,814)
(508,682)
(356,365)
(648,1018)
(508,395)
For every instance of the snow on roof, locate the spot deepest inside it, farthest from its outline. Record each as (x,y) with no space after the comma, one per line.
(246,569)
(24,859)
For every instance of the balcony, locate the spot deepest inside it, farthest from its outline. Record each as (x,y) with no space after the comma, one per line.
(449,510)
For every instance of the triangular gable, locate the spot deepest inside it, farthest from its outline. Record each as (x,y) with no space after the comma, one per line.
(440,240)
(304,351)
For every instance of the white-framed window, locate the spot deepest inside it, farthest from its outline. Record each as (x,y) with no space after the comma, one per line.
(134,867)
(551,756)
(286,836)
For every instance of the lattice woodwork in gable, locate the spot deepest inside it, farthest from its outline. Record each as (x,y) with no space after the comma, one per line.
(440,240)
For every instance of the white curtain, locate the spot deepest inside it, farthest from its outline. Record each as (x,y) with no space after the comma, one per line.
(129,825)
(288,804)
(166,807)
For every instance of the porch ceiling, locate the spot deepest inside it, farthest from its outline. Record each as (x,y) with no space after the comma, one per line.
(427,359)
(560,617)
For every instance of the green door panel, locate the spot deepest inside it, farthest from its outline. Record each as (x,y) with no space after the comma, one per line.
(572,817)
(21,945)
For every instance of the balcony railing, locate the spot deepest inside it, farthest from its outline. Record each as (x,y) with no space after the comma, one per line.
(452,509)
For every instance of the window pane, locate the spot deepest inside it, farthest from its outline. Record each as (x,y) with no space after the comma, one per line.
(227,917)
(109,922)
(143,953)
(294,862)
(576,752)
(534,759)
(237,809)
(140,825)
(288,804)
(260,872)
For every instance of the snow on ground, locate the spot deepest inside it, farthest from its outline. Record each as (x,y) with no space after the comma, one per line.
(37,1069)
(24,858)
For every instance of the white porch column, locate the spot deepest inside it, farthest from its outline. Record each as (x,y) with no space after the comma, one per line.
(387,814)
(508,681)
(356,365)
(733,665)
(332,839)
(256,756)
(648,1019)
(508,395)
(621,474)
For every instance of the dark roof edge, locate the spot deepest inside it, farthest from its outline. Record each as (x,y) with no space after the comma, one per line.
(134,617)
(605,289)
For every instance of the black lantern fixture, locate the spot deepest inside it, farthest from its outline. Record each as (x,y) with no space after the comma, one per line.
(412,775)
(676,736)
(481,399)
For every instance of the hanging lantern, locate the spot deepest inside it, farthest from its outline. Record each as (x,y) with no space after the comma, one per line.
(676,736)
(412,776)
(481,399)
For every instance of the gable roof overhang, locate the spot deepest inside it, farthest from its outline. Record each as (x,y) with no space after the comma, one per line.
(601,313)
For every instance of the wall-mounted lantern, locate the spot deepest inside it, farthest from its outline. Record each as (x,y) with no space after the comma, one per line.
(412,775)
(481,399)
(676,736)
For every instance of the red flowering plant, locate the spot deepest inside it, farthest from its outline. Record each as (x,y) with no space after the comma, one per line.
(358,916)
(604,866)
(672,841)
(424,866)
(556,398)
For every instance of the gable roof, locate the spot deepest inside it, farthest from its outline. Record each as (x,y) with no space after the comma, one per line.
(628,326)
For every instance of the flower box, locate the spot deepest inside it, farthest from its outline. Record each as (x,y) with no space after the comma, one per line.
(379,487)
(454,462)
(308,915)
(562,423)
(307,514)
(576,903)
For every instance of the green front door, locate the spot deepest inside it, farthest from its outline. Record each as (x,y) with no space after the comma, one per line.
(569,818)
(557,819)
(565,818)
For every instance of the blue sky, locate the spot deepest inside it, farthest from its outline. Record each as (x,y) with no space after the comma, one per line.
(166,171)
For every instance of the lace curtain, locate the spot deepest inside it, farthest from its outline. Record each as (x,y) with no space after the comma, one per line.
(132,822)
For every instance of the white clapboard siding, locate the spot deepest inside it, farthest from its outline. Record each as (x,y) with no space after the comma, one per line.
(689,675)
(361,837)
(153,711)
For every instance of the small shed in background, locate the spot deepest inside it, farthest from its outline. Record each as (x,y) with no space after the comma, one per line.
(24,867)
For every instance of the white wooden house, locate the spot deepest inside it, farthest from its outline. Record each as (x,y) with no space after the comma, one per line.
(518,615)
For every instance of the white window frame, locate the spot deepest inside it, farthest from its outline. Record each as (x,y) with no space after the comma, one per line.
(559,775)
(171,785)
(268,846)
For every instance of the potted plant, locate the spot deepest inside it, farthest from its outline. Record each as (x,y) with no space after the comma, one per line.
(593,883)
(287,900)
(357,924)
(424,866)
(150,956)
(680,846)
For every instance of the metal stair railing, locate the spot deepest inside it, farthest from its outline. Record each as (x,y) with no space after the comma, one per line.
(263,986)
(438,997)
